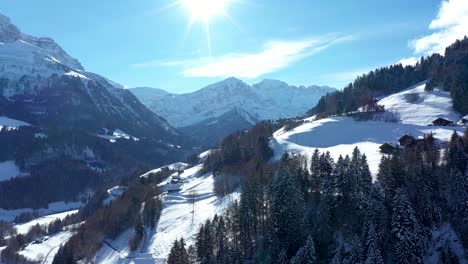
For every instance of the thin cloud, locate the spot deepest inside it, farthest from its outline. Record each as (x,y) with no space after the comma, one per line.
(411,61)
(450,24)
(274,56)
(160,63)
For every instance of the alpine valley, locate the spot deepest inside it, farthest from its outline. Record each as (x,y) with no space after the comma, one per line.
(233,173)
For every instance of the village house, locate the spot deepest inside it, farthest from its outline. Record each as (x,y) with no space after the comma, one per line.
(442,122)
(407,140)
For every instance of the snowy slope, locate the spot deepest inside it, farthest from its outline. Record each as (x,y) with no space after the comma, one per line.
(182,218)
(415,106)
(52,208)
(22,54)
(177,219)
(340,135)
(8,170)
(10,123)
(45,252)
(42,221)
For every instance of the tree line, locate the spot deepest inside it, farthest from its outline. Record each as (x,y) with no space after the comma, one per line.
(449,72)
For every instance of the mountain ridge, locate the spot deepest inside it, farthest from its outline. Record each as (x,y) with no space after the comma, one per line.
(225,100)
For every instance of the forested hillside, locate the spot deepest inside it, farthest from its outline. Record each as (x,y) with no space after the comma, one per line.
(449,72)
(329,211)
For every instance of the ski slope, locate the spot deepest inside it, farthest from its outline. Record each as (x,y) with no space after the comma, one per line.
(182,214)
(340,135)
(185,210)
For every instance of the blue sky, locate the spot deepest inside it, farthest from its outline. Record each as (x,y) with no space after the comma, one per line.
(302,42)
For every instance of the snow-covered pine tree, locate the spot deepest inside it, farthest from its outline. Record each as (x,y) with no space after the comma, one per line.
(173,257)
(455,155)
(373,246)
(315,171)
(282,257)
(287,210)
(407,232)
(306,254)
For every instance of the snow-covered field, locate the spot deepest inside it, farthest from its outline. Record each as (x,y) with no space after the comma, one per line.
(8,170)
(10,123)
(42,221)
(44,252)
(340,135)
(173,166)
(182,214)
(417,107)
(52,208)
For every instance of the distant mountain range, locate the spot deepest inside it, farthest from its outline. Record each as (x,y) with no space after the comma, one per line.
(213,112)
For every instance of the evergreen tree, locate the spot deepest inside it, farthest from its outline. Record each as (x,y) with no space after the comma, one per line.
(306,254)
(282,257)
(447,256)
(455,155)
(204,244)
(287,210)
(407,232)
(465,140)
(373,246)
(173,257)
(178,253)
(315,171)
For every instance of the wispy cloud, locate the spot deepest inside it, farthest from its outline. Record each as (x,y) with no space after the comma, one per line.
(450,24)
(273,56)
(408,61)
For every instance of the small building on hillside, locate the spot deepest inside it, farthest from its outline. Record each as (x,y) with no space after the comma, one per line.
(464,121)
(387,149)
(442,122)
(407,140)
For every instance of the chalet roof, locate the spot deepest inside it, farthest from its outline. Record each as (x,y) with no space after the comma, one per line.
(442,120)
(405,137)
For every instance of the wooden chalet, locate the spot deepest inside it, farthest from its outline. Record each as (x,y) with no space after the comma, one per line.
(464,121)
(442,122)
(407,140)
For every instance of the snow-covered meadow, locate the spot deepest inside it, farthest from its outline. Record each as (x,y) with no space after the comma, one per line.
(340,135)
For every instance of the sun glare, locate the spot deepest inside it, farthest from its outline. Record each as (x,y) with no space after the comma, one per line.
(204,10)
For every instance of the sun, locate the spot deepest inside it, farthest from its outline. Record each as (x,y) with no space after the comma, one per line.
(205,10)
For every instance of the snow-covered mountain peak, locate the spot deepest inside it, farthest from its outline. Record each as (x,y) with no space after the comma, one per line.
(8,31)
(4,20)
(270,84)
(21,52)
(229,105)
(230,84)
